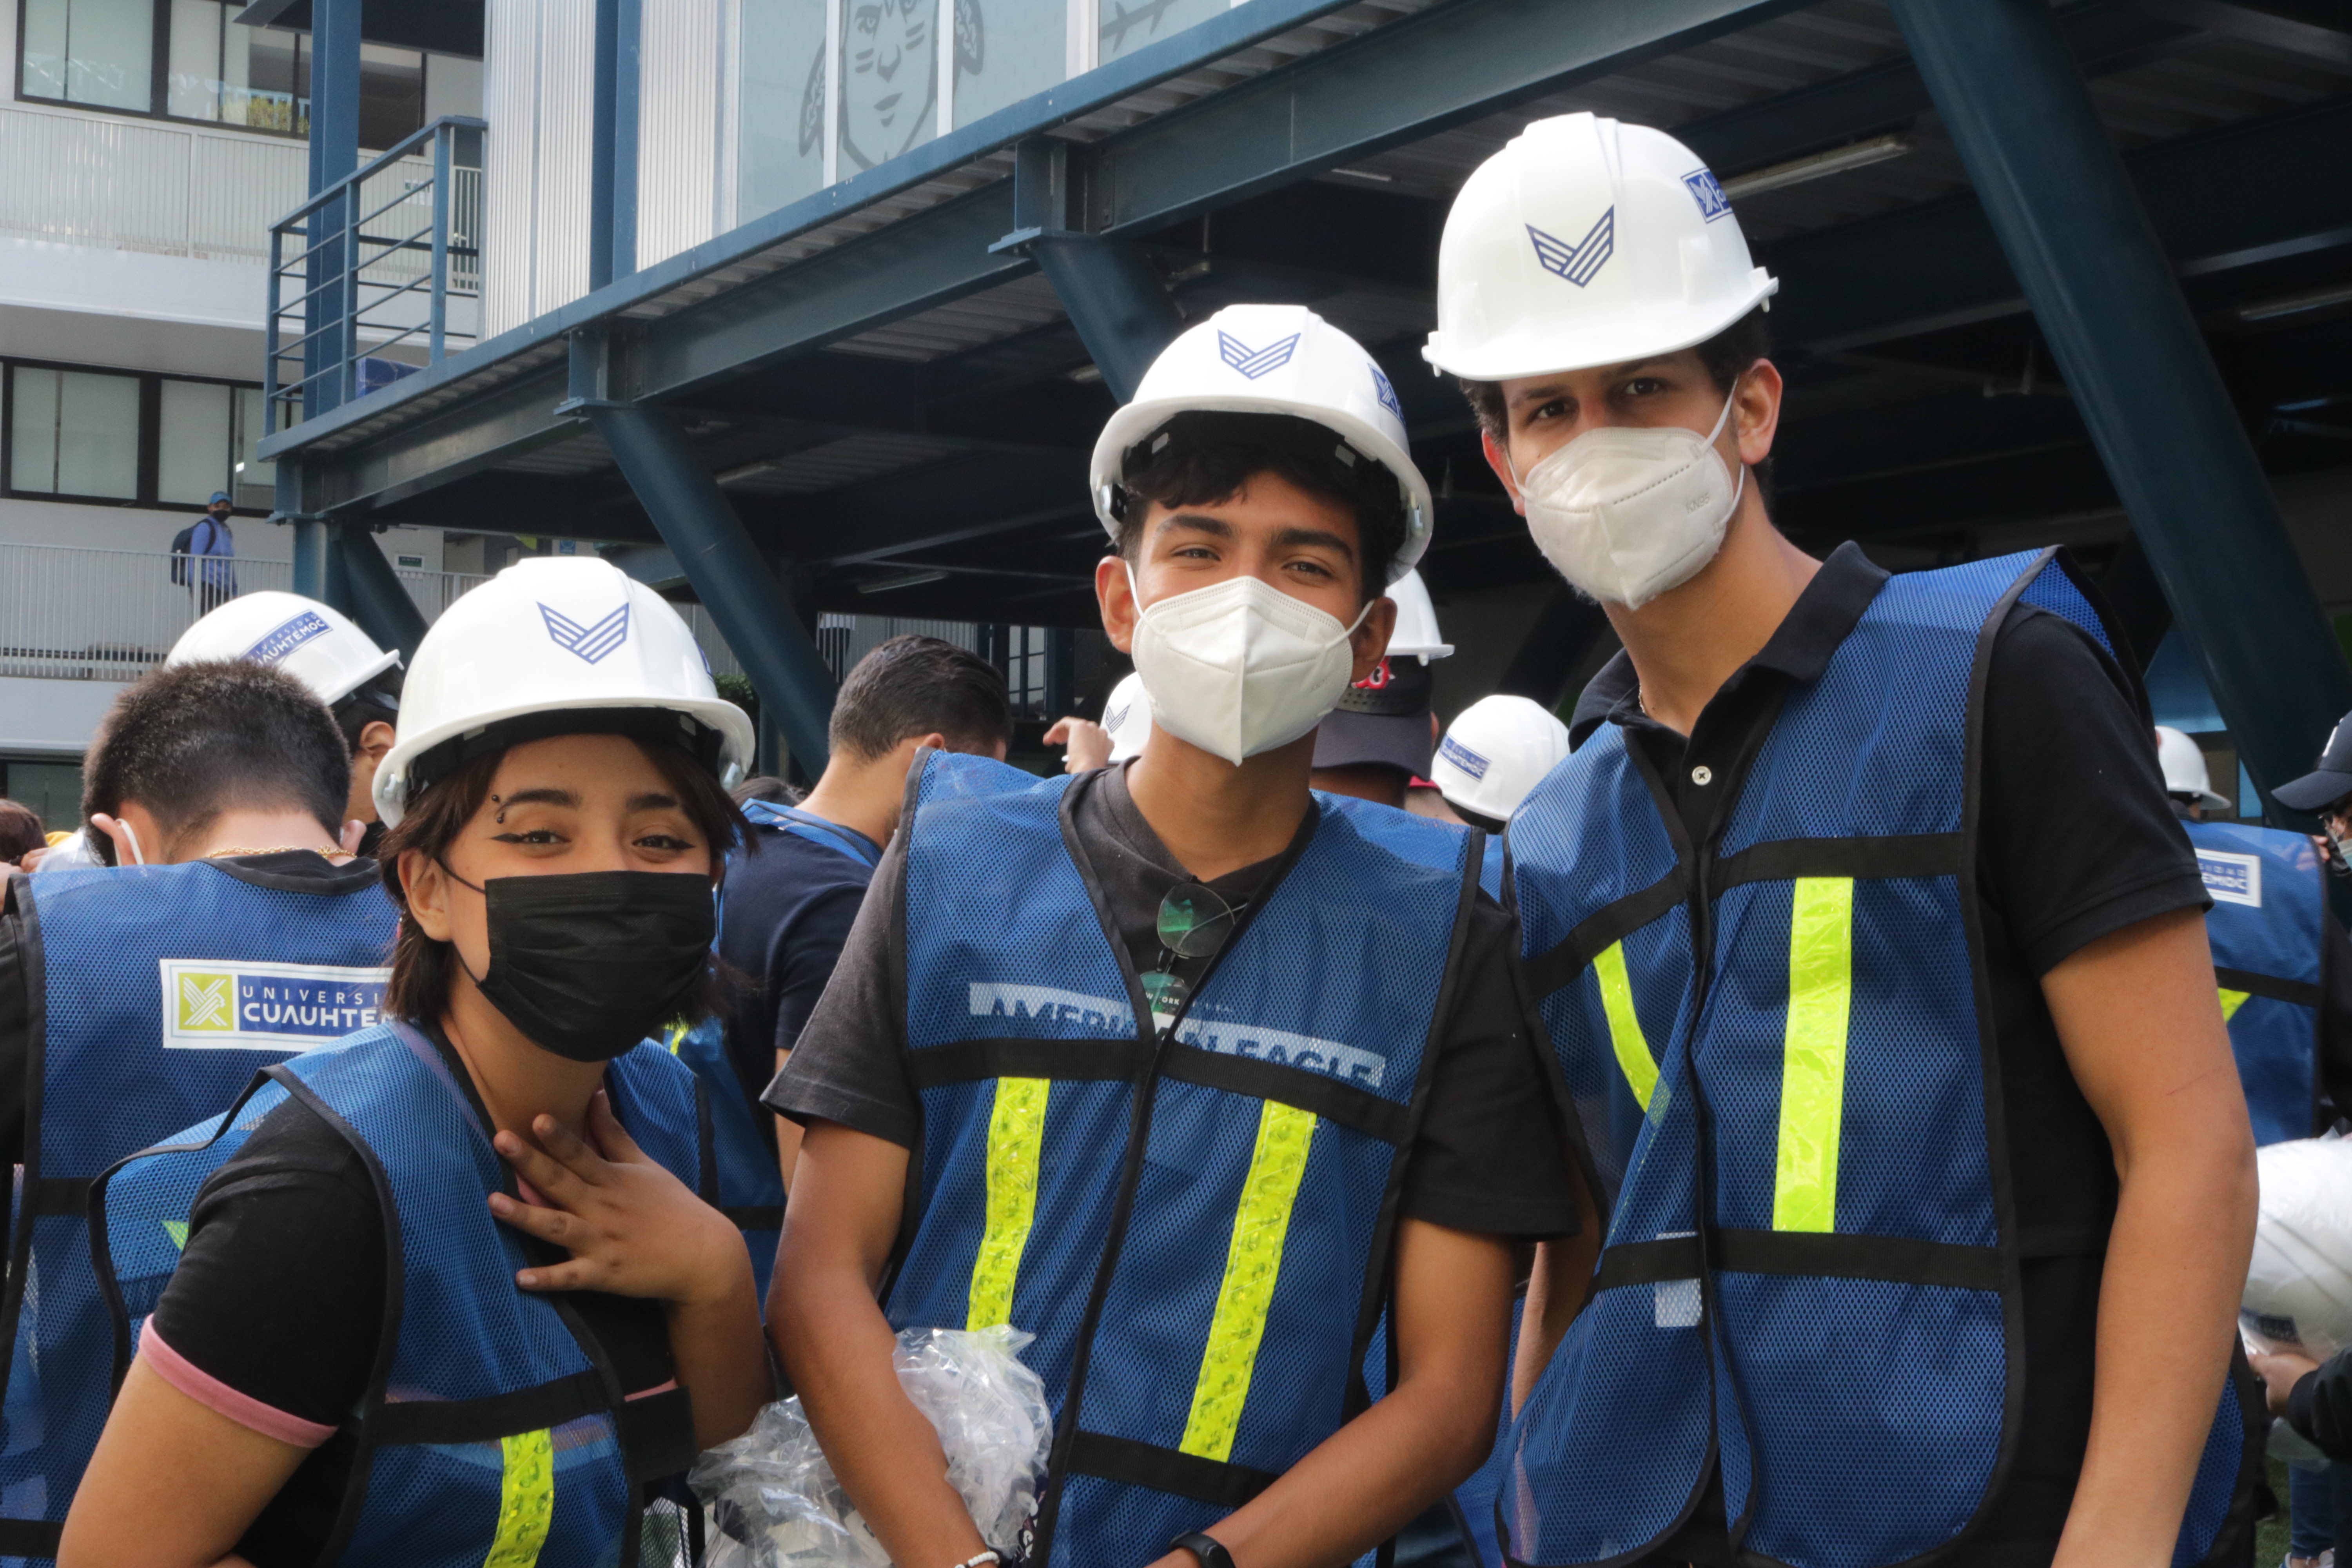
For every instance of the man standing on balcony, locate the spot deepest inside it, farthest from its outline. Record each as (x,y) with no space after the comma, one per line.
(213,572)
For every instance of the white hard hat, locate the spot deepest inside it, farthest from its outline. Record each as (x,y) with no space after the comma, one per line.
(1128,716)
(1587,242)
(1498,750)
(2184,768)
(552,635)
(1416,624)
(316,644)
(1271,359)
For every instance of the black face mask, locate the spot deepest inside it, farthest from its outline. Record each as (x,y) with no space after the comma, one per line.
(589,964)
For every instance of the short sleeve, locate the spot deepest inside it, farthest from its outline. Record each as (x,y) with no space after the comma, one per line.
(275,1311)
(848,1065)
(2078,839)
(1489,1157)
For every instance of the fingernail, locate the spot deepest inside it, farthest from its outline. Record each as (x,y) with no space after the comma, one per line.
(526,1278)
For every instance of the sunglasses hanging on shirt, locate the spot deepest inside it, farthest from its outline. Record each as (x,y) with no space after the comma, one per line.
(1195,922)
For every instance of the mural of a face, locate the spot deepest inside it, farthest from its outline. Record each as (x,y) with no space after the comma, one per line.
(890,79)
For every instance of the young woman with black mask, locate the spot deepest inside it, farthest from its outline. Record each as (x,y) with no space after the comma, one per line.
(448,1293)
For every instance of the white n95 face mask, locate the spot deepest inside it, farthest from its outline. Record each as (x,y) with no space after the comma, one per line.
(1240,667)
(1626,513)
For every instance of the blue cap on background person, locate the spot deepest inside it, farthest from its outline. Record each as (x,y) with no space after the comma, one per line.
(220,498)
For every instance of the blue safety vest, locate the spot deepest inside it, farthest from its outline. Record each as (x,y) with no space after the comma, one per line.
(1193,1216)
(2270,900)
(496,1430)
(751,1181)
(153,992)
(1811,1280)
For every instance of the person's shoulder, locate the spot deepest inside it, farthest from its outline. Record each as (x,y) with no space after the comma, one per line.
(294,1146)
(788,866)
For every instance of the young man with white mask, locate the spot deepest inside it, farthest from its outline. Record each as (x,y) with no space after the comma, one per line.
(1871,956)
(1196,1076)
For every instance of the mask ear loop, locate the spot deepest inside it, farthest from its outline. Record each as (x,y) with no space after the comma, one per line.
(138,855)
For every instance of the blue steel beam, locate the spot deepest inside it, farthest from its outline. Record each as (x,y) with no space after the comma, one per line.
(1114,297)
(334,152)
(2104,296)
(613,153)
(378,602)
(733,583)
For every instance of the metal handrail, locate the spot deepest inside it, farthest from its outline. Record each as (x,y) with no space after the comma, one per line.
(319,257)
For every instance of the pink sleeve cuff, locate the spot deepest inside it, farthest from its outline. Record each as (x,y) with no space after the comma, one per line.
(214,1394)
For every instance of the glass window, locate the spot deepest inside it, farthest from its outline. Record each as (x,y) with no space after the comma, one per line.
(453,85)
(74,432)
(275,94)
(98,52)
(779,154)
(257,481)
(230,75)
(889,79)
(1006,50)
(391,95)
(193,88)
(1128,25)
(192,444)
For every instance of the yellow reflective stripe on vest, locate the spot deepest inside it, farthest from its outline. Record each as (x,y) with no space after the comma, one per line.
(2231,1001)
(1252,1263)
(526,1499)
(1812,1063)
(1626,1024)
(1016,1129)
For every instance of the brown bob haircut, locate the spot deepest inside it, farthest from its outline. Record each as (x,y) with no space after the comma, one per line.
(423,970)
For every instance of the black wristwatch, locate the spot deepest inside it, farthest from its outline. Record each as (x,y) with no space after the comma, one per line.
(1207,1548)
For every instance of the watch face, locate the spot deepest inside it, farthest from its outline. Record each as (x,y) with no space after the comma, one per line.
(889,77)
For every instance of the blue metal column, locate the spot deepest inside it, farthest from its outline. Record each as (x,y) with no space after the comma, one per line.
(700,527)
(334,152)
(2104,296)
(378,602)
(313,537)
(1115,298)
(612,163)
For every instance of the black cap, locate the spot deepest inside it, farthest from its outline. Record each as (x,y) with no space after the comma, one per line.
(2327,784)
(1383,718)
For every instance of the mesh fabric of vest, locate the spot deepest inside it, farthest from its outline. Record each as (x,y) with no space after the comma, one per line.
(1328,995)
(750,1182)
(109,1085)
(2275,1039)
(463,1330)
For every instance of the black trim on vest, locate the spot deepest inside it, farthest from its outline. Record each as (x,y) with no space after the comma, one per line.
(2301,993)
(57,1198)
(486,1420)
(1566,959)
(1075,1061)
(1358,1110)
(1165,1469)
(755,1217)
(29,1537)
(1823,1254)
(1892,855)
(328,880)
(33,977)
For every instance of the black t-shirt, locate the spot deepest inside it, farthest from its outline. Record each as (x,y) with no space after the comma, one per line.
(787,912)
(279,1294)
(2077,840)
(291,870)
(1487,1158)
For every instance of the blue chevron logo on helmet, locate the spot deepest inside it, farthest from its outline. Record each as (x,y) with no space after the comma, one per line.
(1578,262)
(591,643)
(1386,391)
(1255,362)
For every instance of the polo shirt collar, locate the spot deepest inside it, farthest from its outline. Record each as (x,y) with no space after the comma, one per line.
(1799,648)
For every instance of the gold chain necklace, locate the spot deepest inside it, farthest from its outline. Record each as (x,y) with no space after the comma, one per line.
(331,851)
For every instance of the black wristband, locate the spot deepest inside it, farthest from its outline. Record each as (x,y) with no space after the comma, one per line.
(1207,1548)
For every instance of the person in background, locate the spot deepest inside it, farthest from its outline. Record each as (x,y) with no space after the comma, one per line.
(1178,1066)
(790,900)
(1126,725)
(1860,925)
(326,651)
(20,833)
(238,931)
(1377,741)
(1494,754)
(358,1277)
(211,569)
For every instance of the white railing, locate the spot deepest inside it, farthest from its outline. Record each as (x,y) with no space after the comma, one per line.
(80,180)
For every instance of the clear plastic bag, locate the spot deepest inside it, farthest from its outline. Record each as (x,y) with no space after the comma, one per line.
(773,1501)
(2298,1293)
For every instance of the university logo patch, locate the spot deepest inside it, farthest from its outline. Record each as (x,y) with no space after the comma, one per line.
(1255,362)
(212,1005)
(2231,878)
(1386,391)
(1462,757)
(1577,262)
(592,642)
(283,640)
(1712,202)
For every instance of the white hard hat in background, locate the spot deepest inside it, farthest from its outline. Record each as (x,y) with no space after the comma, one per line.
(2184,768)
(1271,359)
(1126,715)
(547,634)
(1498,750)
(1587,242)
(316,644)
(1416,622)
